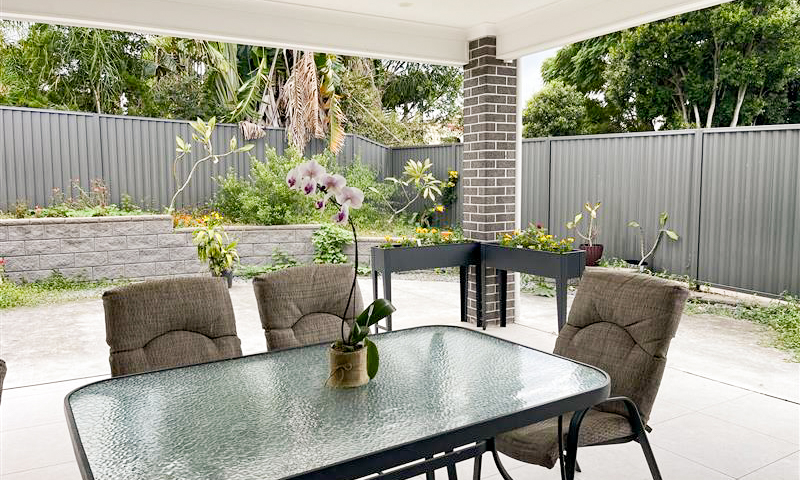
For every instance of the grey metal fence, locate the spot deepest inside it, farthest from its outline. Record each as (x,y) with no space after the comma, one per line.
(732,194)
(444,159)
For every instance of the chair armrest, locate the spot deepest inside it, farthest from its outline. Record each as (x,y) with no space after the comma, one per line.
(633,413)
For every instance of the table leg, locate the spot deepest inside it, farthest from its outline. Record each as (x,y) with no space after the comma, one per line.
(476,469)
(387,294)
(561,301)
(503,278)
(463,289)
(451,470)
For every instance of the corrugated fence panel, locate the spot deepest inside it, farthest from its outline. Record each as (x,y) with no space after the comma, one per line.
(444,158)
(535,192)
(635,176)
(750,209)
(43,150)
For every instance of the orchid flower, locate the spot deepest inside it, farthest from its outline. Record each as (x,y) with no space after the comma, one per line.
(350,196)
(307,186)
(342,215)
(311,170)
(291,179)
(333,183)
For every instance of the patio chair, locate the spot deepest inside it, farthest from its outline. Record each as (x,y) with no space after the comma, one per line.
(3,370)
(304,305)
(621,322)
(169,323)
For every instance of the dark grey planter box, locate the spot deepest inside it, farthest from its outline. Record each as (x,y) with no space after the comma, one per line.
(385,261)
(558,266)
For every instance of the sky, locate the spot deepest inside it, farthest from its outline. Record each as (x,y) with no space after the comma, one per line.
(531,80)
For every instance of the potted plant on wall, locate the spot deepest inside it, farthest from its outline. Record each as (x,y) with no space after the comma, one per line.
(354,359)
(662,230)
(593,250)
(214,248)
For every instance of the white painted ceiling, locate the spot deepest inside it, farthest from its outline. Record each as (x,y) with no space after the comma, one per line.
(435,31)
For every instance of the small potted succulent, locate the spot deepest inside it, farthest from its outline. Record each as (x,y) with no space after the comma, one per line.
(214,248)
(662,230)
(354,359)
(593,250)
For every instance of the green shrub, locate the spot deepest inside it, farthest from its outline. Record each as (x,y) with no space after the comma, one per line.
(263,197)
(280,260)
(329,241)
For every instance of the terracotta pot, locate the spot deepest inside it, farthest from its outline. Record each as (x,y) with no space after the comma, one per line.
(593,254)
(348,369)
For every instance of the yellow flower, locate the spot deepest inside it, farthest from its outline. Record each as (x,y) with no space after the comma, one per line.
(424,230)
(419,229)
(446,234)
(388,239)
(433,230)
(440,208)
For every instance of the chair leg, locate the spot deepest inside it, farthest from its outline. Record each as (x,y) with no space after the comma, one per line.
(496,457)
(476,469)
(648,455)
(451,470)
(430,475)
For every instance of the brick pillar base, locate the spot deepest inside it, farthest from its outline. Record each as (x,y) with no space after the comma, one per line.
(489,168)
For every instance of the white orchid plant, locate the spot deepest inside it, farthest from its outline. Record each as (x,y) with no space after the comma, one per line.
(311,179)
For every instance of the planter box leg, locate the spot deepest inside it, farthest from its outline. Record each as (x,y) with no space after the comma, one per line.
(387,294)
(463,289)
(561,302)
(503,276)
(375,293)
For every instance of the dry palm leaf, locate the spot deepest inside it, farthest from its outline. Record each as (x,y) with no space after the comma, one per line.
(302,102)
(252,131)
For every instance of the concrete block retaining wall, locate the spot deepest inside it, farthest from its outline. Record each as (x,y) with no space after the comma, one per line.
(136,247)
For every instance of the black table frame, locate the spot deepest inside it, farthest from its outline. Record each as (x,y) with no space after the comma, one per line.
(442,450)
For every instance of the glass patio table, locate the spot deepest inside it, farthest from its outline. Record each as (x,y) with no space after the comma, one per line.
(270,415)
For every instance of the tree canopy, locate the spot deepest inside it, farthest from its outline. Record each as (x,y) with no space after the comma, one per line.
(734,64)
(310,93)
(557,109)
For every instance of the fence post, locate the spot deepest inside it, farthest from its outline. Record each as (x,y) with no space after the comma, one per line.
(699,153)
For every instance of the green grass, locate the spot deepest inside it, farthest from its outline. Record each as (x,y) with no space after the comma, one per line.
(53,289)
(782,318)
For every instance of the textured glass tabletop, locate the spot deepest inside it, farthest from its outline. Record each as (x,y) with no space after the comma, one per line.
(270,416)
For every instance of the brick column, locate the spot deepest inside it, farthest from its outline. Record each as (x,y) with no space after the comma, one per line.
(488,172)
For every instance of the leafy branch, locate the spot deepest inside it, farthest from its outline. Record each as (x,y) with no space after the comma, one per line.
(202,134)
(662,230)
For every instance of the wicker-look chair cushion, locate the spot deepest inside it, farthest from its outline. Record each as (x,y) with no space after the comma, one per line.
(538,443)
(304,305)
(621,322)
(169,323)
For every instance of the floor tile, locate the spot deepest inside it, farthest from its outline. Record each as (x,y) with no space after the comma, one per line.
(64,471)
(35,447)
(767,415)
(787,468)
(31,411)
(694,392)
(664,410)
(719,445)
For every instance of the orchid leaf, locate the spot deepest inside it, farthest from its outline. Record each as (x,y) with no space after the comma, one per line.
(373,359)
(376,311)
(672,235)
(633,224)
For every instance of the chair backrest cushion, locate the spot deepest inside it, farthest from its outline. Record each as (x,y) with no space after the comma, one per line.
(169,323)
(623,322)
(304,305)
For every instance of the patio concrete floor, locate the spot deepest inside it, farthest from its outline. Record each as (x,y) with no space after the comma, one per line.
(727,407)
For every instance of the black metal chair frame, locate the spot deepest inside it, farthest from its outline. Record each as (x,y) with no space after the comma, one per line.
(568,462)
